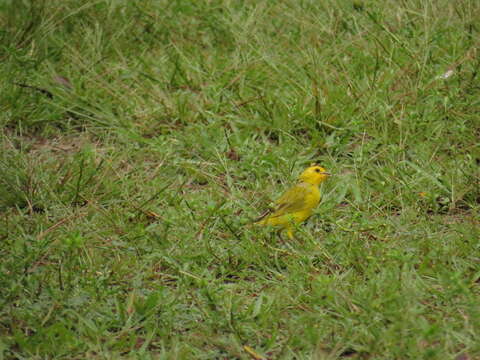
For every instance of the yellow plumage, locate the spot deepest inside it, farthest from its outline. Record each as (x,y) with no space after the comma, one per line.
(297,204)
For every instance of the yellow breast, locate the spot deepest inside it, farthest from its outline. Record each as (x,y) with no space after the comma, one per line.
(295,206)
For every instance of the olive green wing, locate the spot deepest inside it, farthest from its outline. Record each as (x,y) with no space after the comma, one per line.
(293,200)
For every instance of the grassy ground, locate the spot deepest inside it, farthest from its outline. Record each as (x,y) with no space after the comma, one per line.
(139,139)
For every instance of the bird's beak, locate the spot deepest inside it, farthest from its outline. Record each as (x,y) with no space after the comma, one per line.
(326,173)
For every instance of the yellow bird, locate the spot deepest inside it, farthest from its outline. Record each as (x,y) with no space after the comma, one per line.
(296,204)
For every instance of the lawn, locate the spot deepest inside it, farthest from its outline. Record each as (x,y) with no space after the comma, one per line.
(139,139)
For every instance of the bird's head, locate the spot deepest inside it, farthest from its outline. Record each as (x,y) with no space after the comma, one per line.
(314,175)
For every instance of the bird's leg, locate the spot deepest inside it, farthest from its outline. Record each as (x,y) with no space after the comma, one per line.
(290,233)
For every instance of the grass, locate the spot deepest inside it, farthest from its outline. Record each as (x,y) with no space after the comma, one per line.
(139,139)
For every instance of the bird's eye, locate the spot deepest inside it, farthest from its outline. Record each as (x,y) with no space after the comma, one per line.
(317,170)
